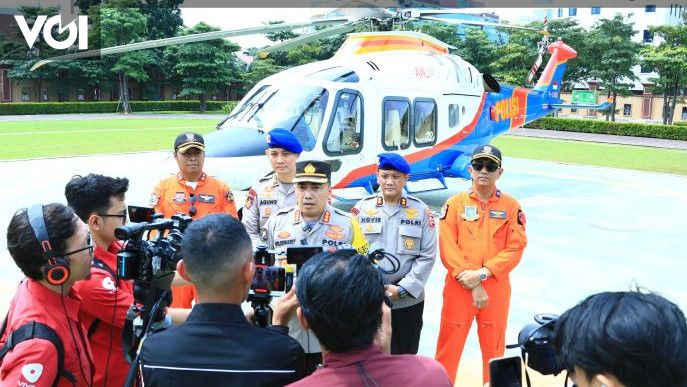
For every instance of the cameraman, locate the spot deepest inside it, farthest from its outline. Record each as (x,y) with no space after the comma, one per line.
(342,300)
(217,346)
(628,339)
(52,247)
(99,201)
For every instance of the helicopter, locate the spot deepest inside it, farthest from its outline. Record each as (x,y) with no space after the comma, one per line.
(382,91)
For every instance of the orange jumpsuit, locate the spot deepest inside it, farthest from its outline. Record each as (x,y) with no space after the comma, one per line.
(172,195)
(473,235)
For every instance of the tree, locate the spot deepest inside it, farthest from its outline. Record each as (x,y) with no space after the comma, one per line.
(205,67)
(477,49)
(260,69)
(669,60)
(121,22)
(615,55)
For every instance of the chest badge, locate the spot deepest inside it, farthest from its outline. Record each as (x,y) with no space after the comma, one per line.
(496,214)
(335,232)
(408,244)
(180,197)
(371,212)
(469,213)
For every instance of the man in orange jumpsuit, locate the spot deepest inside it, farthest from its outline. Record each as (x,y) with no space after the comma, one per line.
(481,239)
(191,192)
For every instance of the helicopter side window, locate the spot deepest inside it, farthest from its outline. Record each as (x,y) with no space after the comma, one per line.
(345,133)
(396,124)
(425,113)
(453,115)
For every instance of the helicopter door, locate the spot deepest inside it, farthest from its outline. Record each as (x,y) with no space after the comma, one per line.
(395,124)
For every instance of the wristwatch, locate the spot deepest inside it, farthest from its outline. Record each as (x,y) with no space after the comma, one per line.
(483,275)
(402,292)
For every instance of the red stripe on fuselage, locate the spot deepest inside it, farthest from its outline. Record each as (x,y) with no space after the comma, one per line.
(420,155)
(519,117)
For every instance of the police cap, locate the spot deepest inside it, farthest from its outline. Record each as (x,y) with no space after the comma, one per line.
(488,152)
(393,161)
(312,171)
(186,141)
(282,138)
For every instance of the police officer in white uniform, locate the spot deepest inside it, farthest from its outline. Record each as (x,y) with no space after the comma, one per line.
(312,222)
(403,226)
(276,190)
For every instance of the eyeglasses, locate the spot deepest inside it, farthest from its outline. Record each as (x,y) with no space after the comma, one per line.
(192,210)
(89,247)
(123,216)
(478,165)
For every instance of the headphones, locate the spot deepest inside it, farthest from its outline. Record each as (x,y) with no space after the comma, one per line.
(56,272)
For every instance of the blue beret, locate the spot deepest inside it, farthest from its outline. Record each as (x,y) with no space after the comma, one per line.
(282,138)
(393,161)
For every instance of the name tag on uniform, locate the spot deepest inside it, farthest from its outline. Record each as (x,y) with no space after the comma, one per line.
(495,214)
(205,198)
(469,213)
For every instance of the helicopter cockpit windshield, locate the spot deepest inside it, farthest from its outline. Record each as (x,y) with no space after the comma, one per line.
(297,108)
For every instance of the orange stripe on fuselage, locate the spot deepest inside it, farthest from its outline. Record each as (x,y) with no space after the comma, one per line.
(389,43)
(420,155)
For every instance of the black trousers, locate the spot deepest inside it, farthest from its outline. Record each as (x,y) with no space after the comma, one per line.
(406,324)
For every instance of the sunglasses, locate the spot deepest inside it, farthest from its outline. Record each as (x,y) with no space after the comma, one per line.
(89,247)
(491,166)
(192,210)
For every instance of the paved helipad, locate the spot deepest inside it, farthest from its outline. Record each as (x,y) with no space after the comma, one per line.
(590,229)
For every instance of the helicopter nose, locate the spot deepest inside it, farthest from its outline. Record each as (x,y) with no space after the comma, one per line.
(235,142)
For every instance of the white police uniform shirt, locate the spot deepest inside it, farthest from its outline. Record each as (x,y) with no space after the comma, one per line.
(264,199)
(287,228)
(406,230)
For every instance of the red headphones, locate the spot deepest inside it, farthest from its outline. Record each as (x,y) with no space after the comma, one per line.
(56,272)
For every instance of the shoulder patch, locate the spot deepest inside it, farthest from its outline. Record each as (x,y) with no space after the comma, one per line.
(229,196)
(521,218)
(355,211)
(154,199)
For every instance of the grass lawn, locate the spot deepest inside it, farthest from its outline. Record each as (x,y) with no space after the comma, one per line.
(22,140)
(606,155)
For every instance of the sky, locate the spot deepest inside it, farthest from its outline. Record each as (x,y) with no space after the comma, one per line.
(234,18)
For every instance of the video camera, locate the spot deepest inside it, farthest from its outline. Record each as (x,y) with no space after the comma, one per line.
(536,342)
(150,263)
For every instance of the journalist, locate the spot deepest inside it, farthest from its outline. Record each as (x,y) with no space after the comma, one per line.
(624,339)
(217,346)
(341,297)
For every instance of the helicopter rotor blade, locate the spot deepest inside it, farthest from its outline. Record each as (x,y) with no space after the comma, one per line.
(303,39)
(186,39)
(483,24)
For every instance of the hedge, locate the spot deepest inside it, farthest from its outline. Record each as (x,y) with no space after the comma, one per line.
(681,123)
(107,107)
(671,132)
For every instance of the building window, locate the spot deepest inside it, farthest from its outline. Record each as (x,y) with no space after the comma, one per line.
(425,113)
(25,94)
(573,110)
(44,95)
(346,129)
(596,10)
(644,69)
(627,110)
(572,11)
(80,95)
(649,8)
(684,113)
(396,124)
(648,36)
(453,115)
(560,12)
